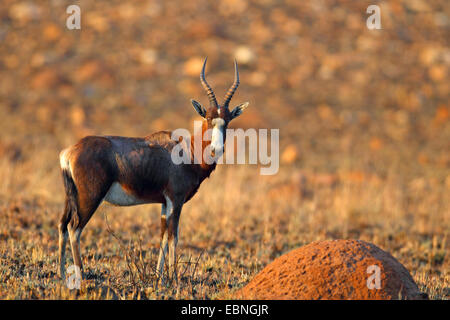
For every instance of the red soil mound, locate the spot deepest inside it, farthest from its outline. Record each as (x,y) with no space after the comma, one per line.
(338,269)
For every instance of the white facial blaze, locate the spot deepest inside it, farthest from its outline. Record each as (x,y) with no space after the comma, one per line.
(217,135)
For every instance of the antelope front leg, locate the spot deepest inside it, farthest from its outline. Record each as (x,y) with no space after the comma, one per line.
(163,246)
(173,240)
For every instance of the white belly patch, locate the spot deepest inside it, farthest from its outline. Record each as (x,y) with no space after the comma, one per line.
(118,196)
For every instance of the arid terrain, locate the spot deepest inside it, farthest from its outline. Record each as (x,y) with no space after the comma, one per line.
(364,120)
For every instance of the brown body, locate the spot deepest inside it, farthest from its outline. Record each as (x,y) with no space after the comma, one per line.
(130,171)
(142,166)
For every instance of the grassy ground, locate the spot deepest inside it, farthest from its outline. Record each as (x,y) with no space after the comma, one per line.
(238,223)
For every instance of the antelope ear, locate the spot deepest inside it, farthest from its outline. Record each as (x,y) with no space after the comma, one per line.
(238,110)
(198,107)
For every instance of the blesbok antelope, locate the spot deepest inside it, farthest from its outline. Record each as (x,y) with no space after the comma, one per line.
(130,171)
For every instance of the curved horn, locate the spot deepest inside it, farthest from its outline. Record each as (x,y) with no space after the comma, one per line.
(233,87)
(209,91)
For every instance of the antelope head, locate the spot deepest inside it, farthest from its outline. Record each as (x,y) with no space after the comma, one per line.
(217,117)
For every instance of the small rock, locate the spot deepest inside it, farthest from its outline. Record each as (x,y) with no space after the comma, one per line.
(438,73)
(290,154)
(148,56)
(244,55)
(52,32)
(24,12)
(45,79)
(193,66)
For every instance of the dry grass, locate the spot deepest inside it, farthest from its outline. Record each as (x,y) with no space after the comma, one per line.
(238,223)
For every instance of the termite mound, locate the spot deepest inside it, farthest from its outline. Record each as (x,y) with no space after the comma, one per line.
(337,269)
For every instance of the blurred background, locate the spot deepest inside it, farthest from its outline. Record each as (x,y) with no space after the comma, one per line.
(364,117)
